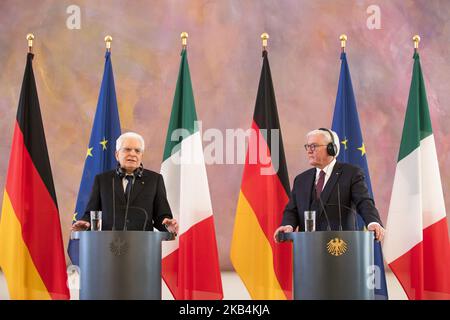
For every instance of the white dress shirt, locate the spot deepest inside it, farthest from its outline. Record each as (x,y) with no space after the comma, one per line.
(125,182)
(328,170)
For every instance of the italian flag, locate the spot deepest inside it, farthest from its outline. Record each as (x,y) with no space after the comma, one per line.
(416,246)
(190,265)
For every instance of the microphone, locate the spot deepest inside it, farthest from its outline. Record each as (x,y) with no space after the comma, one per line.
(339,204)
(352,210)
(145,213)
(325,212)
(128,204)
(114,205)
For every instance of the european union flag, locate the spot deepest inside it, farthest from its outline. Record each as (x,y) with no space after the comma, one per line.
(353,150)
(100,154)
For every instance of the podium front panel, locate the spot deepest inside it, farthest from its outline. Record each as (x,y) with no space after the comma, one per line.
(333,265)
(120,264)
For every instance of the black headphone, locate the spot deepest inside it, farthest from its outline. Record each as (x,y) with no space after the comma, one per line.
(136,173)
(331,146)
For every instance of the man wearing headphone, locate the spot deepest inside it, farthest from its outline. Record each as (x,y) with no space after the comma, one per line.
(130,197)
(333,189)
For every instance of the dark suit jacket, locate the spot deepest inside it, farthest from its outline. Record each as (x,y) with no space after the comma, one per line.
(353,195)
(148,201)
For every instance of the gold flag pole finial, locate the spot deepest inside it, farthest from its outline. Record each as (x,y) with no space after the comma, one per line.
(108,40)
(30,38)
(264,38)
(184,36)
(343,38)
(416,40)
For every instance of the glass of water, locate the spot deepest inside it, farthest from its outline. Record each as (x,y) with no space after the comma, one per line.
(310,221)
(96,220)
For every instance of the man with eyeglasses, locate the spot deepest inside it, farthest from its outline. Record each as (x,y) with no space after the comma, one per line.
(327,188)
(130,197)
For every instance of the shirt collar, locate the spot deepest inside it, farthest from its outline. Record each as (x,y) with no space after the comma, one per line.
(328,169)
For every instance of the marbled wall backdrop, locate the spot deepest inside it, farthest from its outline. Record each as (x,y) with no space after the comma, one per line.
(225,61)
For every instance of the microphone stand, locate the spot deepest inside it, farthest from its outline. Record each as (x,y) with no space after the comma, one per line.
(339,207)
(325,212)
(114,205)
(144,211)
(353,211)
(128,205)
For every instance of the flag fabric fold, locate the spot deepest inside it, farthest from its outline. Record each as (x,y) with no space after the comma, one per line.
(417,245)
(31,245)
(190,264)
(264,266)
(353,151)
(100,154)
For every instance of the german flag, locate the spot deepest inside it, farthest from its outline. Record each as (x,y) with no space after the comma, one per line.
(264,266)
(31,246)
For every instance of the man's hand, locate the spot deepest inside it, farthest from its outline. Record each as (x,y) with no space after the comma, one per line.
(171,225)
(282,229)
(80,225)
(379,231)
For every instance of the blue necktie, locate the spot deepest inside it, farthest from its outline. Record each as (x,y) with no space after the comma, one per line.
(128,187)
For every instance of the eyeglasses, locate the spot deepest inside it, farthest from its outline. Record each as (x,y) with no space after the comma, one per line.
(128,150)
(313,146)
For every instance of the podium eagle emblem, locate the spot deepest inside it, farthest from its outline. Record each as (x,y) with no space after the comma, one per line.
(118,247)
(336,247)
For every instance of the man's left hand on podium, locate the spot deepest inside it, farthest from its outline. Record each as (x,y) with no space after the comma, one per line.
(378,229)
(171,225)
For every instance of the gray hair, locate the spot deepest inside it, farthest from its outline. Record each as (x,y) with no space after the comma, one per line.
(327,137)
(127,135)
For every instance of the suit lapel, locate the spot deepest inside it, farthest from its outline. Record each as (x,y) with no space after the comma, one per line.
(310,179)
(118,186)
(326,192)
(138,185)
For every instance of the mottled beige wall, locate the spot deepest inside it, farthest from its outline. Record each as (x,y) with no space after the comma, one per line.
(225,60)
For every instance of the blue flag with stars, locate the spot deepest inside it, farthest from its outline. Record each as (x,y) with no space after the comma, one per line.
(353,151)
(100,154)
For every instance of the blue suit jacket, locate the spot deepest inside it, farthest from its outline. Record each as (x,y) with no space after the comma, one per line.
(353,191)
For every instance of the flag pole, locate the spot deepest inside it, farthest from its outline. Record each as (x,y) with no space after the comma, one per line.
(416,40)
(264,38)
(343,38)
(30,38)
(184,36)
(108,40)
